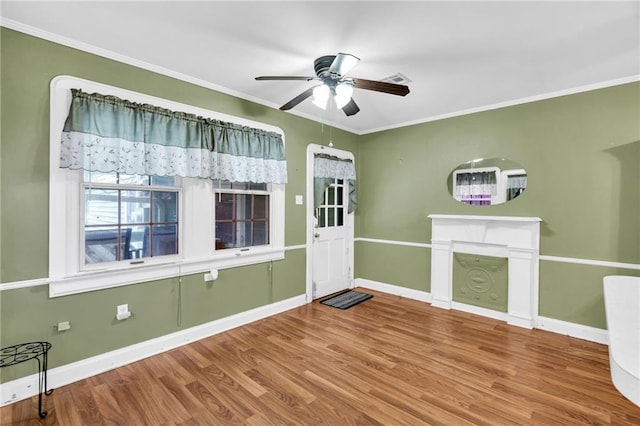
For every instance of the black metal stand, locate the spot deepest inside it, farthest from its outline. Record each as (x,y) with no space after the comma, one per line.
(16,354)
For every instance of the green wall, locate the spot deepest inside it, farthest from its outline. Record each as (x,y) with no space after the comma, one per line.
(582,156)
(27,66)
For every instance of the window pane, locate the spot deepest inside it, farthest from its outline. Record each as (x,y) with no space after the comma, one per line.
(135,206)
(101,206)
(224,206)
(99,177)
(165,206)
(244,206)
(240,185)
(243,236)
(331,198)
(257,186)
(133,179)
(339,196)
(322,220)
(260,233)
(332,219)
(163,180)
(224,235)
(101,244)
(137,245)
(340,217)
(261,206)
(164,240)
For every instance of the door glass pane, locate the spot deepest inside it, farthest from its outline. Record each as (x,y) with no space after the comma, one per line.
(322,217)
(340,190)
(101,206)
(332,217)
(331,196)
(340,216)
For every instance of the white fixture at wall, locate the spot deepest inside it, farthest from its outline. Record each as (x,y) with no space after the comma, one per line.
(516,238)
(122,312)
(212,275)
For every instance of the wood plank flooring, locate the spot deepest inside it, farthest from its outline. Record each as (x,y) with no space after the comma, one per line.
(389,361)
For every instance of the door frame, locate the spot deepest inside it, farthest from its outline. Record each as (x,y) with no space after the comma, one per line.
(313,149)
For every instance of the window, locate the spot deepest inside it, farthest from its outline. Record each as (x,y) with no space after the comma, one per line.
(110,229)
(129,217)
(242,214)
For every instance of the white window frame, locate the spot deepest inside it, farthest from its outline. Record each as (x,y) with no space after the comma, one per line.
(266,192)
(197,219)
(84,267)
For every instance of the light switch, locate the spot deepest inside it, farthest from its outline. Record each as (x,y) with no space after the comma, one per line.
(299,200)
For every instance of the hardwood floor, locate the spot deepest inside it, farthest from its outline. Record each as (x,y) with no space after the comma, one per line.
(389,360)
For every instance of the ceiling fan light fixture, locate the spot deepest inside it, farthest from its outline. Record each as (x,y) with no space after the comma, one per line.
(321,96)
(343,94)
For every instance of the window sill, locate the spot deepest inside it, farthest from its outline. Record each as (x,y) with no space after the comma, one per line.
(134,274)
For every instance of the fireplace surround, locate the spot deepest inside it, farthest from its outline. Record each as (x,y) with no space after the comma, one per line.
(516,238)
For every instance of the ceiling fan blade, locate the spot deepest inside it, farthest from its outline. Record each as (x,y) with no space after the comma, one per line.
(351,108)
(343,63)
(381,86)
(284,77)
(295,101)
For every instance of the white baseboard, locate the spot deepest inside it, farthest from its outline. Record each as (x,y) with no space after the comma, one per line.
(27,387)
(579,331)
(592,334)
(409,293)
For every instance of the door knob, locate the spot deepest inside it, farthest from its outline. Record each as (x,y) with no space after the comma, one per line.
(316,235)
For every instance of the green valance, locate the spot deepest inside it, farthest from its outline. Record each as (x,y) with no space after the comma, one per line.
(106,134)
(327,168)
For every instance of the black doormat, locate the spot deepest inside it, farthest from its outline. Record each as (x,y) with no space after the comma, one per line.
(346,299)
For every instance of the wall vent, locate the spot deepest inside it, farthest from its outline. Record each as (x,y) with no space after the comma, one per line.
(397,79)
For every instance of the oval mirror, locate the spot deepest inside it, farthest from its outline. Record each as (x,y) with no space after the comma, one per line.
(486,182)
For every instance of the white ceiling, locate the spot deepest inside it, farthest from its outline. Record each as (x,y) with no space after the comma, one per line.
(460,56)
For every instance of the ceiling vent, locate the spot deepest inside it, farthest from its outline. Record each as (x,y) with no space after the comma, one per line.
(397,79)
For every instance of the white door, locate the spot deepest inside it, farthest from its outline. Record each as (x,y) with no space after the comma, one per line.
(331,237)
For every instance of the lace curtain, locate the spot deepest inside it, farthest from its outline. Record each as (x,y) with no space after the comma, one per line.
(516,184)
(107,134)
(476,183)
(328,168)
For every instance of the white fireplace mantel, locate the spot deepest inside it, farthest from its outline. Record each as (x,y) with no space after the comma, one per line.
(516,238)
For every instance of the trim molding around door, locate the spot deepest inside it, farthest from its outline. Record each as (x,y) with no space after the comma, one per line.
(311,150)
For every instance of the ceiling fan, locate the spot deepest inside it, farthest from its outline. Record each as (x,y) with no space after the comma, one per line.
(330,71)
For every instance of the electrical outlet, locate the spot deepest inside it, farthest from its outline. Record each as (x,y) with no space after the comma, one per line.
(63,326)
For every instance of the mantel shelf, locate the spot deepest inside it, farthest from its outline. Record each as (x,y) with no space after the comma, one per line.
(486,218)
